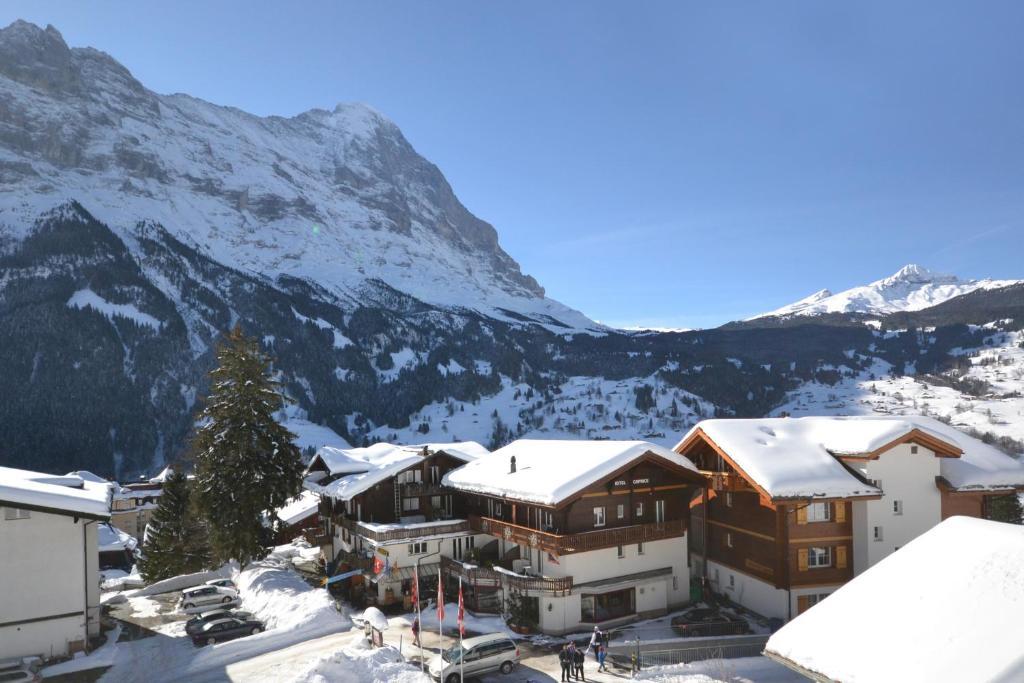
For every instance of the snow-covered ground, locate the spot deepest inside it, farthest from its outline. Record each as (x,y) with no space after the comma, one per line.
(742,670)
(293,612)
(999,362)
(356,662)
(582,408)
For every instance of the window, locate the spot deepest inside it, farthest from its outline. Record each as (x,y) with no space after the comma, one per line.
(599,516)
(878,533)
(728,499)
(639,509)
(595,608)
(418,548)
(897,507)
(547,519)
(819,512)
(435,502)
(11,514)
(435,474)
(470,542)
(622,552)
(639,548)
(410,504)
(819,557)
(497,510)
(913,450)
(620,511)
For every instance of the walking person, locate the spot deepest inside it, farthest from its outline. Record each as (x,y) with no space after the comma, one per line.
(578,658)
(595,641)
(602,653)
(416,631)
(565,659)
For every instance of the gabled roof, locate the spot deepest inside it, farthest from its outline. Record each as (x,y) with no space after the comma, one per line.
(549,472)
(365,467)
(945,607)
(111,538)
(800,457)
(298,508)
(68,494)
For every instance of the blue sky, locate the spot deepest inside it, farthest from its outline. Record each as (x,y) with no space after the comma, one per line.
(670,164)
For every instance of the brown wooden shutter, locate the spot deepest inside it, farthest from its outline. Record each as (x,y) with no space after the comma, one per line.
(801,556)
(801,604)
(841,557)
(801,515)
(840,508)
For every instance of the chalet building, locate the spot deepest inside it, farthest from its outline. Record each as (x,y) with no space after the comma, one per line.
(583,533)
(133,504)
(796,507)
(298,516)
(50,595)
(117,548)
(384,509)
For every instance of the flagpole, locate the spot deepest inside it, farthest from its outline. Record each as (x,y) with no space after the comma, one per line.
(462,656)
(440,613)
(419,619)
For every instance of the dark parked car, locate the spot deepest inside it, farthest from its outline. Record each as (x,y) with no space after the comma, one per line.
(227,628)
(195,624)
(705,621)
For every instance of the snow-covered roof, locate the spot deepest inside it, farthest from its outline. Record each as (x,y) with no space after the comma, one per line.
(798,457)
(374,464)
(70,493)
(162,477)
(548,472)
(945,607)
(111,538)
(375,618)
(298,508)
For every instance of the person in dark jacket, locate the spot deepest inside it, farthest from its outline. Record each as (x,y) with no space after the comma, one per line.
(578,657)
(565,659)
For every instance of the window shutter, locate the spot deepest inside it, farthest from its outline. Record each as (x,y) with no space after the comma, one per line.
(840,511)
(841,557)
(801,604)
(801,555)
(801,515)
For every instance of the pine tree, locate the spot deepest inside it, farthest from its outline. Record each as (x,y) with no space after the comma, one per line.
(176,540)
(246,463)
(1006,508)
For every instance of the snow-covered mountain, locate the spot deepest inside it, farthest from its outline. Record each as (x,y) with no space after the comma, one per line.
(337,197)
(911,288)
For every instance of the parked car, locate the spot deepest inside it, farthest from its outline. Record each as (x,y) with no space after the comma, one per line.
(195,624)
(706,621)
(227,628)
(479,655)
(207,595)
(223,583)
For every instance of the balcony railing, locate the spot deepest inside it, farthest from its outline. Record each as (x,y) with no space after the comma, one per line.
(402,532)
(727,481)
(424,488)
(566,544)
(482,576)
(317,537)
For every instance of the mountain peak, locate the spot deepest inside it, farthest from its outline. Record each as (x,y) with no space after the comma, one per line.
(915,274)
(36,57)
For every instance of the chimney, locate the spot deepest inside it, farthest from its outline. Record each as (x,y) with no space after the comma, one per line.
(512,465)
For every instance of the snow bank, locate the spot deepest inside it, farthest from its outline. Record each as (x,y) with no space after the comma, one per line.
(101,657)
(358,663)
(272,591)
(476,624)
(547,472)
(177,583)
(945,607)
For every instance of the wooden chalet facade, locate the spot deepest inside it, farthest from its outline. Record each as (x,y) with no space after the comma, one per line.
(606,548)
(781,554)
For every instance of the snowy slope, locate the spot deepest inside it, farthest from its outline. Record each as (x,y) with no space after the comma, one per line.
(911,288)
(338,197)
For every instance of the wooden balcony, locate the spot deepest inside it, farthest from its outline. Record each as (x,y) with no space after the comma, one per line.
(400,532)
(424,488)
(317,537)
(483,576)
(566,544)
(726,481)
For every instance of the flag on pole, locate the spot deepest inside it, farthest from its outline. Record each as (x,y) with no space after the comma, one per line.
(440,599)
(378,565)
(462,613)
(416,588)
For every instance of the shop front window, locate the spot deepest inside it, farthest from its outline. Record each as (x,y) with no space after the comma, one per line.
(599,607)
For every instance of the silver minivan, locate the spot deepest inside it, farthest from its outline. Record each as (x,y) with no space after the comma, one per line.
(477,656)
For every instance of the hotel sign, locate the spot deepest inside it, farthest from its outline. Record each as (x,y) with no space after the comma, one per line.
(643,481)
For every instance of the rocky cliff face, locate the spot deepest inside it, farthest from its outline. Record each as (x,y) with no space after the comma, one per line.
(337,197)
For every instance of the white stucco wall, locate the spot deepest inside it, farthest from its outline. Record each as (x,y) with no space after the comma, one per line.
(43,574)
(754,594)
(907,477)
